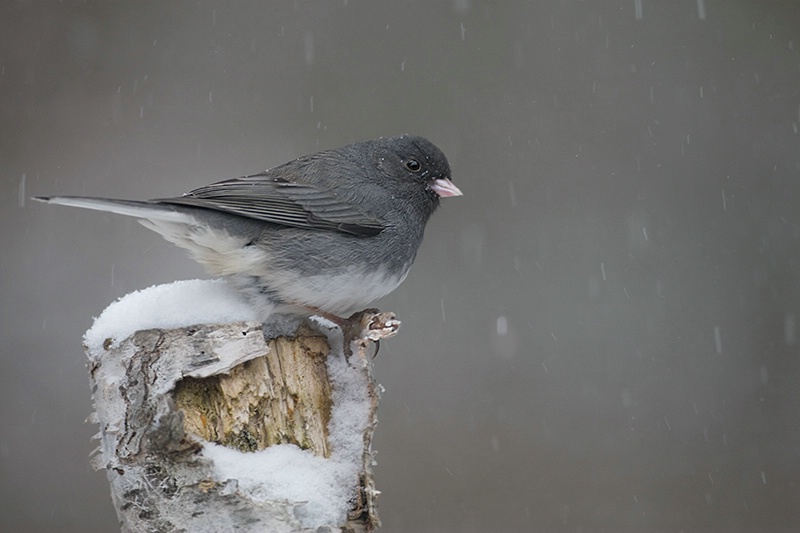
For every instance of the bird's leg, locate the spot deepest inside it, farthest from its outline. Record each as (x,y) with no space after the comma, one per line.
(336,319)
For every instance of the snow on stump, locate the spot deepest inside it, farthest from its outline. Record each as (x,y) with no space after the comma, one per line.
(231,424)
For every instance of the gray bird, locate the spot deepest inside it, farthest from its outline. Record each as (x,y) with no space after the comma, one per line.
(326,233)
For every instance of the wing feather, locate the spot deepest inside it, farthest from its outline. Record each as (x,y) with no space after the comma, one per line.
(279,201)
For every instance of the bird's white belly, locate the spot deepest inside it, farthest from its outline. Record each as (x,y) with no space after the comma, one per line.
(340,293)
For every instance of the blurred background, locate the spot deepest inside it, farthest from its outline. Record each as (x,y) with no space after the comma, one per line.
(602,334)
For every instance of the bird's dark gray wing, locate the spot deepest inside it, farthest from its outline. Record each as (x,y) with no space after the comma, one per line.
(279,201)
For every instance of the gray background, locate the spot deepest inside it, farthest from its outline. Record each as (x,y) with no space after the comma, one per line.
(602,334)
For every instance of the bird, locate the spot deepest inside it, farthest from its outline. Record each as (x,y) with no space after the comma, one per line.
(327,233)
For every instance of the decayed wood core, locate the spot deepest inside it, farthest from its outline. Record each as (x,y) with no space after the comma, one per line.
(282,397)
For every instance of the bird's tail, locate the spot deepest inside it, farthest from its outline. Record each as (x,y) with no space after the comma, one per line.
(214,247)
(142,210)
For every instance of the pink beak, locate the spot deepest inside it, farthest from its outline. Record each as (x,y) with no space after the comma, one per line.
(444,188)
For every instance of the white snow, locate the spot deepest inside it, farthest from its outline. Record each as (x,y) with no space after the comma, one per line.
(174,305)
(285,472)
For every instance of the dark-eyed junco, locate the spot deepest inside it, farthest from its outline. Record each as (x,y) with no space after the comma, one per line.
(328,232)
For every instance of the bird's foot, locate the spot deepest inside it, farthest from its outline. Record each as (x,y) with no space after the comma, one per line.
(367,325)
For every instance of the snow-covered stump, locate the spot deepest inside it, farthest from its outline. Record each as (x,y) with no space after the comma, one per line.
(217,427)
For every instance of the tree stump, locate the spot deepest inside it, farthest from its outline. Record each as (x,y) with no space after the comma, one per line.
(217,428)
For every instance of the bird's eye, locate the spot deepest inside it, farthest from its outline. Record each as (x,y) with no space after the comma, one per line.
(413,165)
